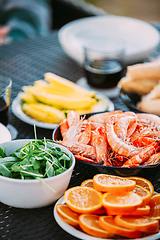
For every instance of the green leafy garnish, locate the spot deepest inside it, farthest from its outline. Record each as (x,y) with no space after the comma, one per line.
(38,159)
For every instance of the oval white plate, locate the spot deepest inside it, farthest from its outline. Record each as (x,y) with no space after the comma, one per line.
(17,111)
(81,235)
(141,38)
(5,135)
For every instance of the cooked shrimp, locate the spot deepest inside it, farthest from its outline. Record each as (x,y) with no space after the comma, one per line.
(149,119)
(85,136)
(73,132)
(80,149)
(142,141)
(99,141)
(143,155)
(94,125)
(117,144)
(103,117)
(73,118)
(154,159)
(64,127)
(86,159)
(124,127)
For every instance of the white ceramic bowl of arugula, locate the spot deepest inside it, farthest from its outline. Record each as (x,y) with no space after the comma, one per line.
(33,193)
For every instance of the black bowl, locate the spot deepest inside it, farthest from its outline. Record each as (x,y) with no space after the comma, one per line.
(131,100)
(90,169)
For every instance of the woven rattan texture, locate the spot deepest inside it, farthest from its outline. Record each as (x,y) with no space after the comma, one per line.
(26,61)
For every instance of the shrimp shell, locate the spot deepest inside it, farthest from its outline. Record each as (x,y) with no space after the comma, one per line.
(117,144)
(80,149)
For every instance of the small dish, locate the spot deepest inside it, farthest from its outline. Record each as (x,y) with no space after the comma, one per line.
(81,235)
(17,111)
(5,135)
(90,169)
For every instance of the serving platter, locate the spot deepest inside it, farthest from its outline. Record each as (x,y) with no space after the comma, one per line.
(81,235)
(17,111)
(140,37)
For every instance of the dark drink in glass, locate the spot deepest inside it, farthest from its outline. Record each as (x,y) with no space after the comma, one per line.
(3,112)
(104,73)
(5,92)
(104,61)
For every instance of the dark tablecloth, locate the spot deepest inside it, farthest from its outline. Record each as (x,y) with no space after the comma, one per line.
(26,61)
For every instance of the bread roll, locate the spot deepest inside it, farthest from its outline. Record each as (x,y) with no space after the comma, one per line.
(149,70)
(141,87)
(151,106)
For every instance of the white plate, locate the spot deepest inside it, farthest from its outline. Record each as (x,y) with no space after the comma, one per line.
(17,111)
(5,135)
(81,235)
(141,38)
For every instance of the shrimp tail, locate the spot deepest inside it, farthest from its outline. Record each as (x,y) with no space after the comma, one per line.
(143,155)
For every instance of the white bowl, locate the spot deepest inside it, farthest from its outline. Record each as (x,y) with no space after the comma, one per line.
(32,193)
(141,38)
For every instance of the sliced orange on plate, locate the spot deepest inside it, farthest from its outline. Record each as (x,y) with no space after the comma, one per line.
(143,182)
(143,193)
(111,183)
(140,211)
(120,203)
(89,224)
(83,199)
(154,204)
(108,224)
(87,183)
(67,214)
(143,224)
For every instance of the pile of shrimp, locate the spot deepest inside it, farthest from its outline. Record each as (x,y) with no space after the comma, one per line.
(123,139)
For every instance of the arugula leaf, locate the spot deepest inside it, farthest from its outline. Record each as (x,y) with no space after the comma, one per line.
(4,171)
(49,169)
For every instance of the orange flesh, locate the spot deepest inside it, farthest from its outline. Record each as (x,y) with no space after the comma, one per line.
(107,183)
(83,199)
(128,202)
(89,224)
(108,223)
(143,224)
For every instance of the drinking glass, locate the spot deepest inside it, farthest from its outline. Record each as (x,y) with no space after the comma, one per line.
(104,61)
(5,93)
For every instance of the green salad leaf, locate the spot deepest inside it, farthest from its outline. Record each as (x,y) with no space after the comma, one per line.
(38,159)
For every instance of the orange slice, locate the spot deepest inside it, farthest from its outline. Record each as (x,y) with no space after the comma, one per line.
(83,199)
(89,224)
(143,193)
(140,211)
(143,224)
(143,183)
(108,224)
(154,204)
(125,202)
(111,183)
(87,183)
(67,214)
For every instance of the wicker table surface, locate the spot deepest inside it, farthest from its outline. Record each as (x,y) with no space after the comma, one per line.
(26,61)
